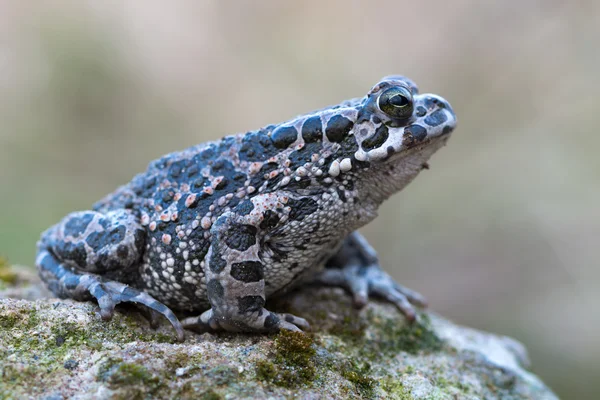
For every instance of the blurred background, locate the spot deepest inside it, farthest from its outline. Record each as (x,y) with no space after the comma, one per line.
(501,234)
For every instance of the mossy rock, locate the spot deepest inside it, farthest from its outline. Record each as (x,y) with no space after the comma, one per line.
(53,348)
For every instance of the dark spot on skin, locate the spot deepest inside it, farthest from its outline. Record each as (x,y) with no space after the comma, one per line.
(364,114)
(416,131)
(221,185)
(338,128)
(312,130)
(257,146)
(302,208)
(198,183)
(217,264)
(247,271)
(390,152)
(218,166)
(429,103)
(447,129)
(150,182)
(122,251)
(283,136)
(289,318)
(167,196)
(97,240)
(77,225)
(244,208)
(139,238)
(175,171)
(377,140)
(192,170)
(421,111)
(376,119)
(270,220)
(341,194)
(214,289)
(250,304)
(436,118)
(241,237)
(239,177)
(300,247)
(293,266)
(271,321)
(302,156)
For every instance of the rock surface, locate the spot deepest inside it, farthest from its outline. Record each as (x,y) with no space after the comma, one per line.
(58,349)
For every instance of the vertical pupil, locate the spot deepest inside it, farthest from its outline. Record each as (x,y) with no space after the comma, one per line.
(398,100)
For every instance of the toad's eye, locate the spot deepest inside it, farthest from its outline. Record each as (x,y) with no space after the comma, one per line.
(396,102)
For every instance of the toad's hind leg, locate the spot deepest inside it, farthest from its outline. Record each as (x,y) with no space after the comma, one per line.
(88,254)
(235,278)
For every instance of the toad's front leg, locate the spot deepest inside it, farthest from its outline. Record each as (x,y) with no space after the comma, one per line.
(356,268)
(235,280)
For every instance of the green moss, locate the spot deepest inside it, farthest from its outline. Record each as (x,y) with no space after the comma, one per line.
(351,328)
(197,390)
(395,390)
(266,371)
(210,395)
(294,361)
(391,338)
(131,380)
(359,375)
(21,318)
(192,362)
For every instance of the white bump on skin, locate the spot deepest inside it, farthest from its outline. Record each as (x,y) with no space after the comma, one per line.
(170,262)
(166,239)
(346,165)
(334,168)
(190,200)
(205,223)
(285,181)
(360,155)
(301,171)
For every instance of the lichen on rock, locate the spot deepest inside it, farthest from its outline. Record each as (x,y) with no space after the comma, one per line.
(52,348)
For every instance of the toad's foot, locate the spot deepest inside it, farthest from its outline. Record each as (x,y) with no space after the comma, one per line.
(363,282)
(356,268)
(66,283)
(261,320)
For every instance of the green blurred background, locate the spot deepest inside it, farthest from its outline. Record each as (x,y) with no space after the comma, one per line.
(501,234)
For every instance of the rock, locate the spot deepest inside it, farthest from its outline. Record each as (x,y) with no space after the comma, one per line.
(55,349)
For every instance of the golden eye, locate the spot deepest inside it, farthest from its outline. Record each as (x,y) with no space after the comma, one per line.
(396,102)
